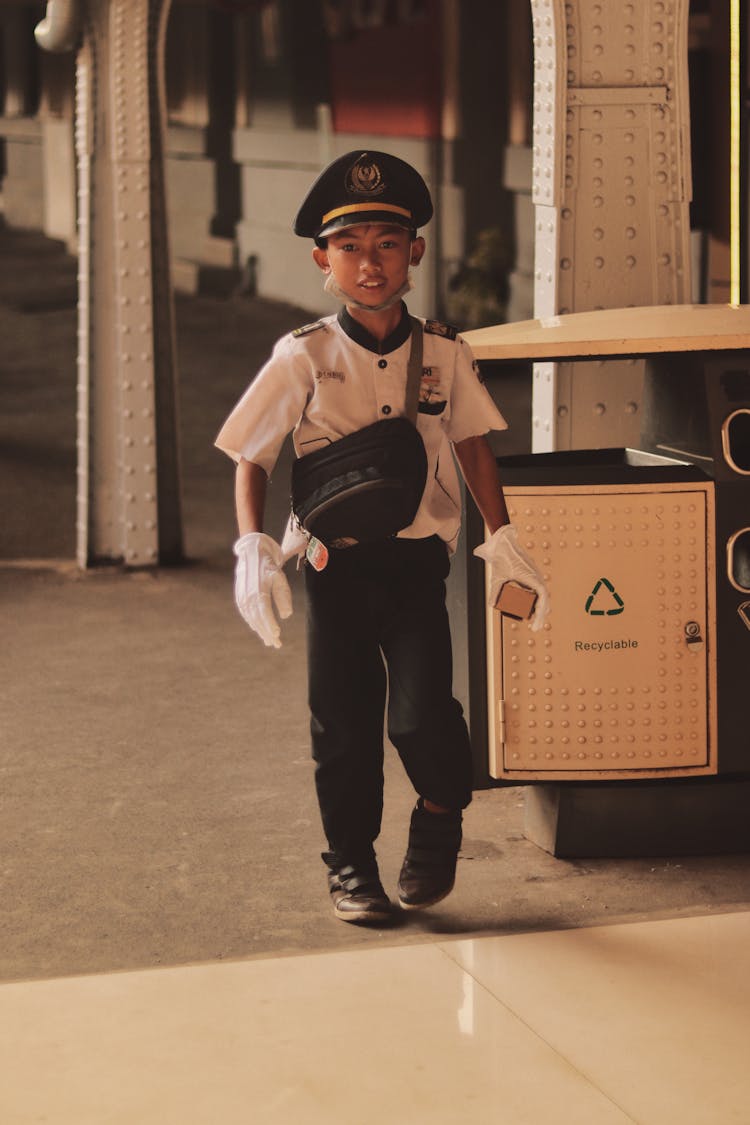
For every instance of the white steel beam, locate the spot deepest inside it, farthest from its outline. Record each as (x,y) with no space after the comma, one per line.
(611,189)
(128,482)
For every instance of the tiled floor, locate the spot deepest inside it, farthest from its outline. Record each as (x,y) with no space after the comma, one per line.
(647,1023)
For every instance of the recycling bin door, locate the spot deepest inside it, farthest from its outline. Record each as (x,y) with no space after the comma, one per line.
(619,682)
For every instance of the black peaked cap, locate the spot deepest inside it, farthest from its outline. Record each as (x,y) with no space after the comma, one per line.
(364,187)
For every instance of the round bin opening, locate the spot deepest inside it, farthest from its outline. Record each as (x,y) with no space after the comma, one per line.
(738,560)
(735,438)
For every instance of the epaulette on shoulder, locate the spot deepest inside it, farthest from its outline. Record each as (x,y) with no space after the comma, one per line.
(437,328)
(306,329)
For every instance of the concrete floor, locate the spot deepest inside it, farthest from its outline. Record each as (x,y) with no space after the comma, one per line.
(157,794)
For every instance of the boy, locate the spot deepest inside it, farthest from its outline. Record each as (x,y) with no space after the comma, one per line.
(371,604)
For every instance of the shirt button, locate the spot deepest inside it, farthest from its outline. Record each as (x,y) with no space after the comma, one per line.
(382,363)
(386,410)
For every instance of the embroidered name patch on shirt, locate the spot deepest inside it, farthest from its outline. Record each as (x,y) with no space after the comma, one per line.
(339,376)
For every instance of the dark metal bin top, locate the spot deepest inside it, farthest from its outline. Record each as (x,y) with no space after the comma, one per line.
(596,466)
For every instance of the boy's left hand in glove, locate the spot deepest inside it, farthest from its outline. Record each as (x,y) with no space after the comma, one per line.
(508,562)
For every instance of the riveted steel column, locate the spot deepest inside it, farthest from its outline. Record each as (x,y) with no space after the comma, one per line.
(128,485)
(611,188)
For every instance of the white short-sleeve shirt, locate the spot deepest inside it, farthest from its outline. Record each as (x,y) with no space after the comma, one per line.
(332,377)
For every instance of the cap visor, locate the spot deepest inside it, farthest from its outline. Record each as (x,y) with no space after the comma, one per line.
(361,218)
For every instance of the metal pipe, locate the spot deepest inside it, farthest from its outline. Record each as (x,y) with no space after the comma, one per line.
(59,30)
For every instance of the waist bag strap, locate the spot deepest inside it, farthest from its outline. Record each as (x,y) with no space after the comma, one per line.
(414,372)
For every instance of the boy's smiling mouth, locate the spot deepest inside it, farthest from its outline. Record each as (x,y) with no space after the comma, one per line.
(373,285)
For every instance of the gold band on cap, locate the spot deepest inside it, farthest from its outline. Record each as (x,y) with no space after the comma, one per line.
(353,208)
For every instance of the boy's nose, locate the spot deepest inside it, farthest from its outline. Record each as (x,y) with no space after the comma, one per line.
(371,260)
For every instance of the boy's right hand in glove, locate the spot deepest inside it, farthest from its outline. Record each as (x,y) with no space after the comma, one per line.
(508,562)
(260,584)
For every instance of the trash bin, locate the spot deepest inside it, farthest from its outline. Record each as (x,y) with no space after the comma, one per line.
(619,683)
(649,634)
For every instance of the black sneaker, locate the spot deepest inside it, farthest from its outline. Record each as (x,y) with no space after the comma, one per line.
(429,869)
(358,895)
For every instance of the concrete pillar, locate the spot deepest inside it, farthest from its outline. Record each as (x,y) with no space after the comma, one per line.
(59,180)
(23,200)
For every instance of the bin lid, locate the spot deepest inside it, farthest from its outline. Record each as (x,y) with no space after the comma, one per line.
(644,330)
(619,465)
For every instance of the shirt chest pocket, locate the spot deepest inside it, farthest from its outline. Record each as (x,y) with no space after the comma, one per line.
(327,415)
(331,401)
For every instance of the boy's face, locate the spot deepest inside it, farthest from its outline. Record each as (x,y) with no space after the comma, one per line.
(370,262)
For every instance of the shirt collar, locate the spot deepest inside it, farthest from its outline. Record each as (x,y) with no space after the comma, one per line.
(360,335)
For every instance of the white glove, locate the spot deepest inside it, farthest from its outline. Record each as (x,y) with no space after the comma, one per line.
(258,578)
(509,562)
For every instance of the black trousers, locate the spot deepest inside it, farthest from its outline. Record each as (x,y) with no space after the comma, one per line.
(377,624)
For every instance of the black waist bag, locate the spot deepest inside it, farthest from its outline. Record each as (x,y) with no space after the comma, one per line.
(367,485)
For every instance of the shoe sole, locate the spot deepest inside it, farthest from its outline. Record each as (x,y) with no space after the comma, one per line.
(363,916)
(423,906)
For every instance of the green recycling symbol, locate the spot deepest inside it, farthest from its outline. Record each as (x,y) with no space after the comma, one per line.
(612,599)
